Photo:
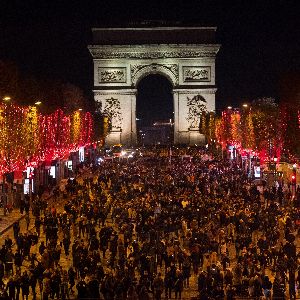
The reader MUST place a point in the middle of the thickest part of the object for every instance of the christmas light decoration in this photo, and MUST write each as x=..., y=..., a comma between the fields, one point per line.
x=260, y=129
x=248, y=137
x=235, y=127
x=28, y=137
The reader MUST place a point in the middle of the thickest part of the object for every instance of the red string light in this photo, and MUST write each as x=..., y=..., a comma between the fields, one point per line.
x=28, y=137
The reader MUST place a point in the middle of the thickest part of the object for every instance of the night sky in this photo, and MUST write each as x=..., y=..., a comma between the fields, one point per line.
x=260, y=42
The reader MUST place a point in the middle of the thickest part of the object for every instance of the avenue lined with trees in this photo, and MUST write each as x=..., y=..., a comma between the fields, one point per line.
x=59, y=126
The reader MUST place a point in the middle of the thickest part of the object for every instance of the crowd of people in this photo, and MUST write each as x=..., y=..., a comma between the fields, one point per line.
x=157, y=228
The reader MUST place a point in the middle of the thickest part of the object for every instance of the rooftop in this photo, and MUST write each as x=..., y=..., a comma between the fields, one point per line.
x=153, y=35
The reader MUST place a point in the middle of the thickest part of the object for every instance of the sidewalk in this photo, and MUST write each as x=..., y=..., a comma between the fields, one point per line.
x=6, y=222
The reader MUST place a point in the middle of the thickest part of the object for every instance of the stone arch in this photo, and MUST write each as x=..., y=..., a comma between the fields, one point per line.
x=124, y=56
x=140, y=71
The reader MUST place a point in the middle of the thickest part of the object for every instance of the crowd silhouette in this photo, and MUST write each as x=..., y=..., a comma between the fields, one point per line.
x=157, y=227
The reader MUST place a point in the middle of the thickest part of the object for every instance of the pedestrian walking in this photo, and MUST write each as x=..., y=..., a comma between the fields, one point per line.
x=27, y=219
x=158, y=286
x=25, y=283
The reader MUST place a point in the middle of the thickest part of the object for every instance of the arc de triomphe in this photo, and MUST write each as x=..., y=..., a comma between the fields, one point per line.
x=124, y=56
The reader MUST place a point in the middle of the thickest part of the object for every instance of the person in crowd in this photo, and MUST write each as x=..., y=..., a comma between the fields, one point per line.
x=131, y=228
x=158, y=286
x=25, y=284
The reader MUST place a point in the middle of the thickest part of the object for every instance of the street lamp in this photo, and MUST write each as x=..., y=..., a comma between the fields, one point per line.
x=245, y=105
x=38, y=103
x=294, y=179
x=275, y=159
x=4, y=191
x=4, y=194
x=229, y=107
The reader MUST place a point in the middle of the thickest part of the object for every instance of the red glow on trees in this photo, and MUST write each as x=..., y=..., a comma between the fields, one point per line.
x=28, y=137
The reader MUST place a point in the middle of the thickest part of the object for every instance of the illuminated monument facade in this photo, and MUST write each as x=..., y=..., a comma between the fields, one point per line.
x=124, y=56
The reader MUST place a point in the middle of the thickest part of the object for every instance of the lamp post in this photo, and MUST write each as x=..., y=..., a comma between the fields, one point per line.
x=4, y=181
x=250, y=164
x=30, y=184
x=3, y=196
x=39, y=171
x=275, y=159
x=33, y=111
x=294, y=179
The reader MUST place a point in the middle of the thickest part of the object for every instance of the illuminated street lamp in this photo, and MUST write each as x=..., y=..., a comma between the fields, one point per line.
x=245, y=105
x=229, y=107
x=38, y=103
x=294, y=179
x=6, y=98
x=80, y=109
x=275, y=159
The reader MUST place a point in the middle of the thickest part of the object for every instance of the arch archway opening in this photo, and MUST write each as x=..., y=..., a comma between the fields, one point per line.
x=155, y=111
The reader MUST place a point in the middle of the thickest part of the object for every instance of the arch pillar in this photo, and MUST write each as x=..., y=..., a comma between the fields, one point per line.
x=120, y=106
x=176, y=116
x=185, y=132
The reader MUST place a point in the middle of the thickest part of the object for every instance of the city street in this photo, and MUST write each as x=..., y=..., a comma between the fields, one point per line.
x=6, y=221
x=66, y=262
x=156, y=187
